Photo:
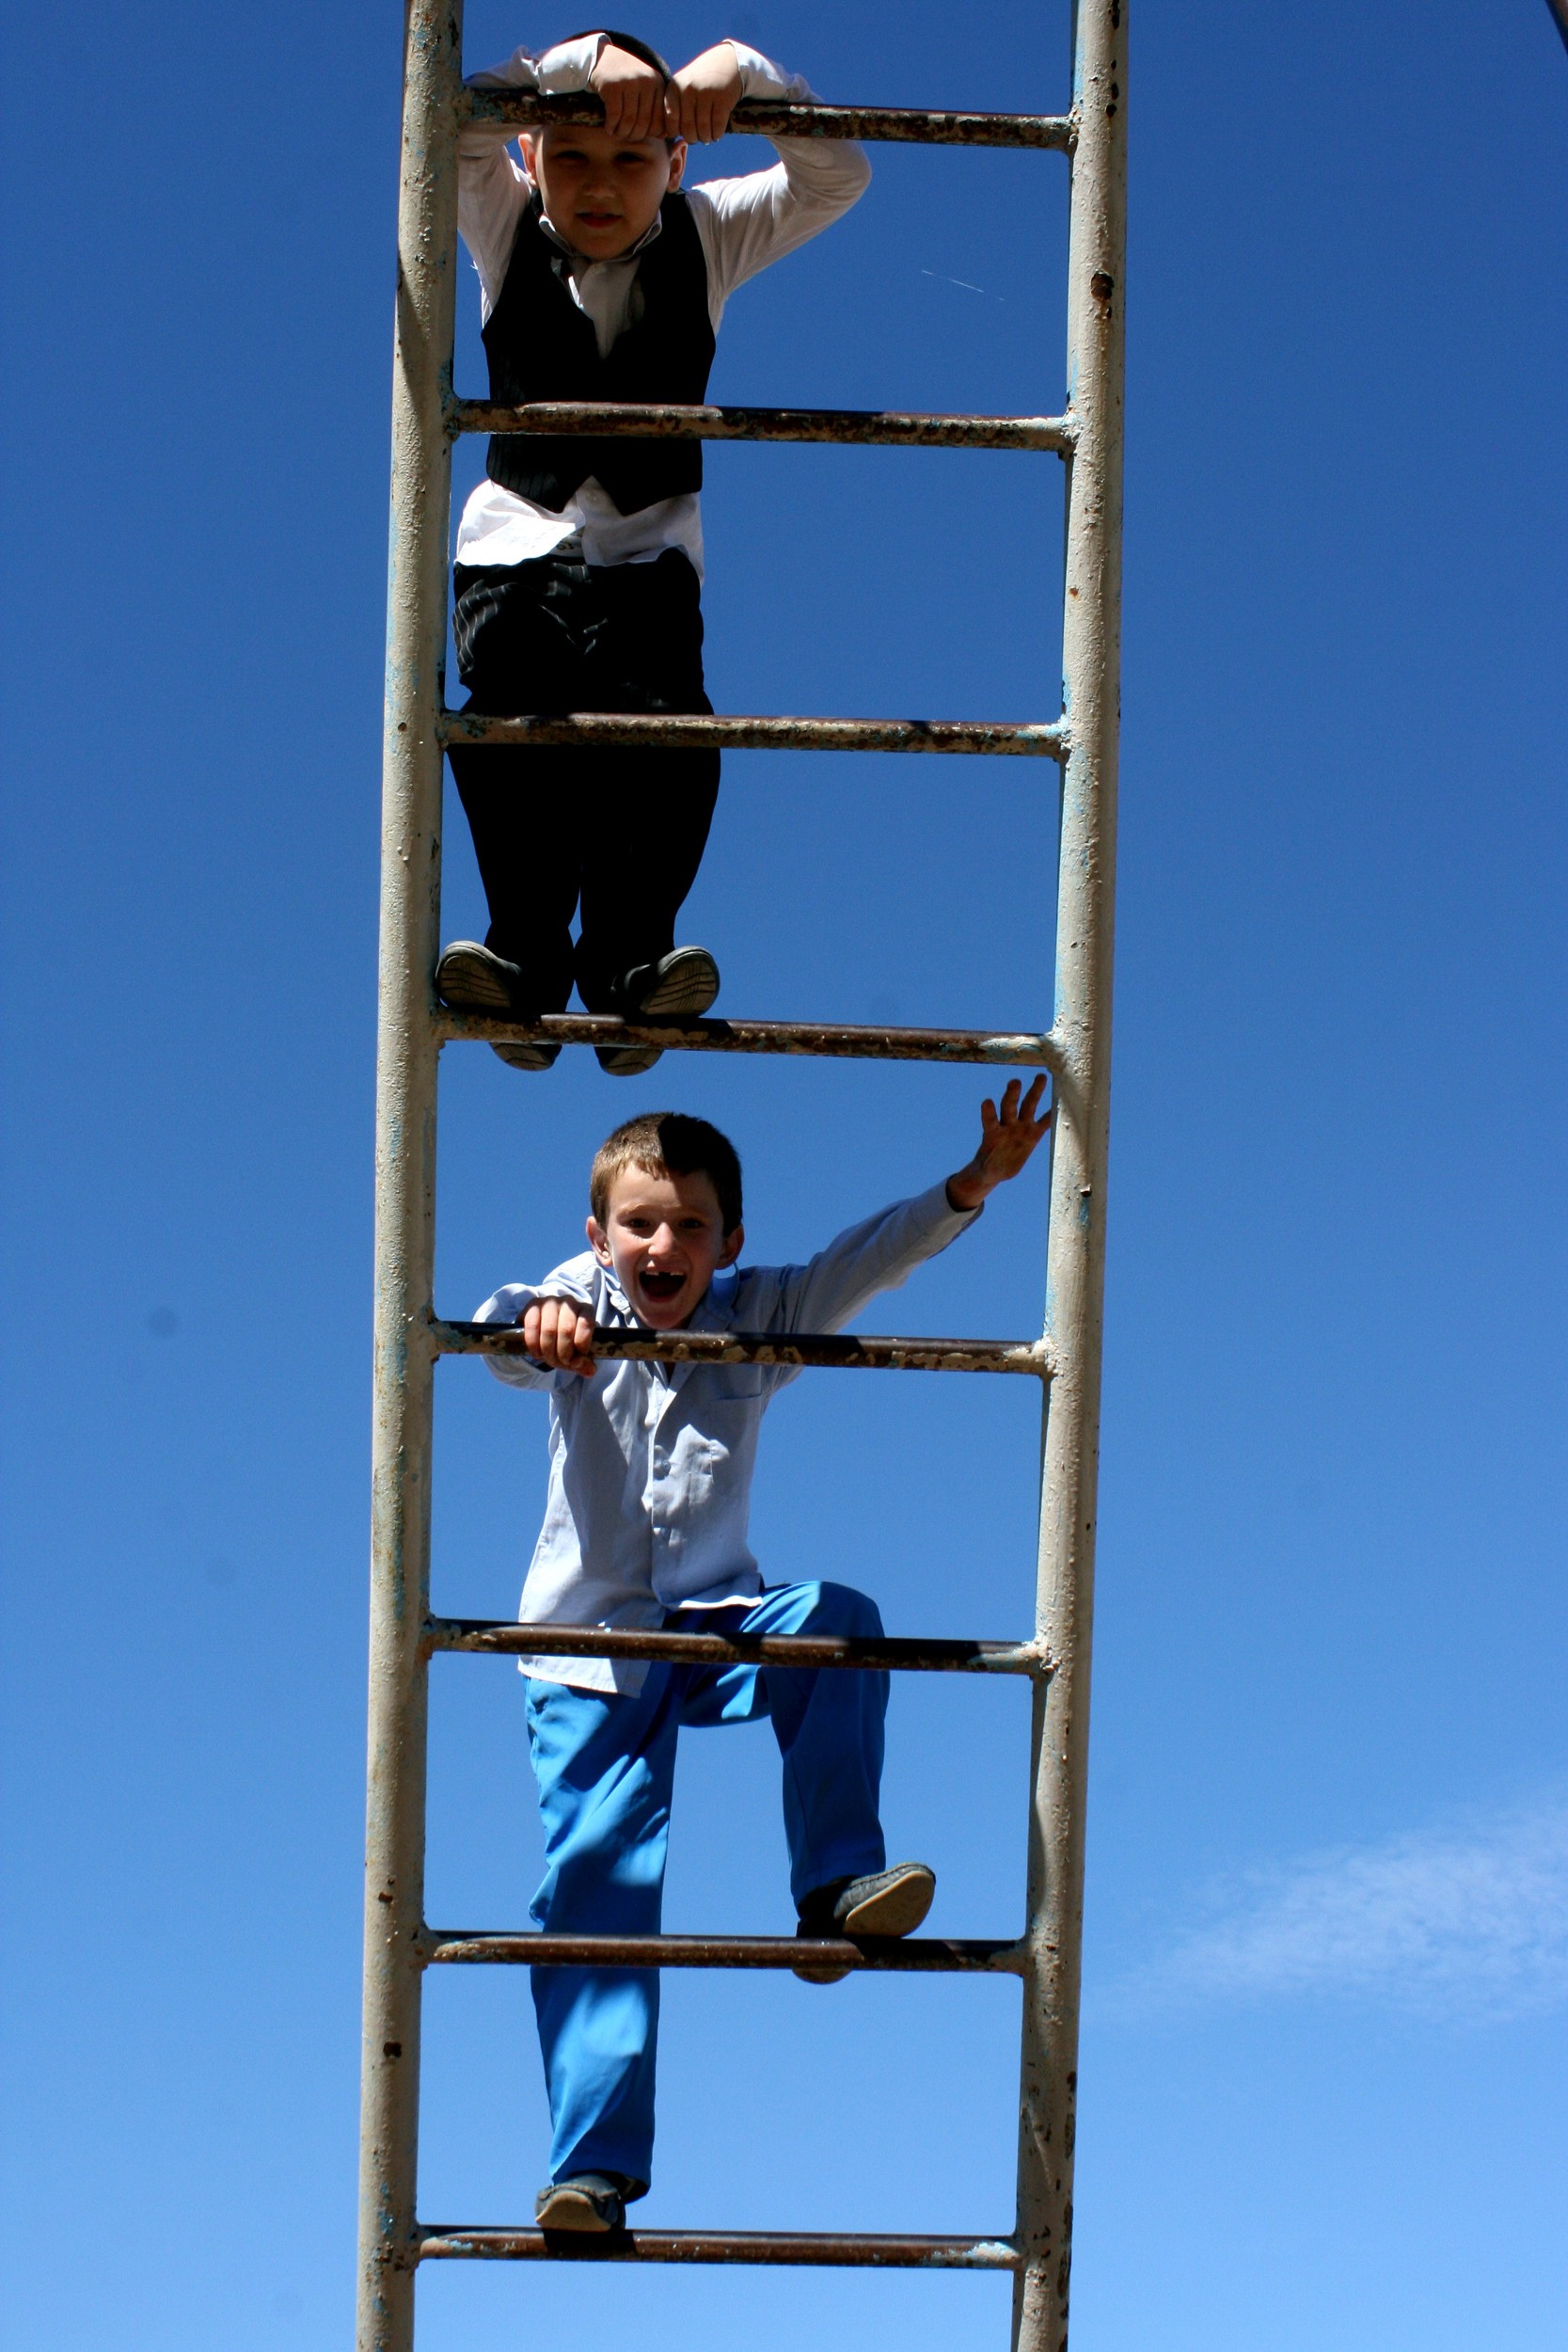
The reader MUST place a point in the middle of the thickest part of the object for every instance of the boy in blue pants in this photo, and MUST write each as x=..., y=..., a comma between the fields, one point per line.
x=645, y=1525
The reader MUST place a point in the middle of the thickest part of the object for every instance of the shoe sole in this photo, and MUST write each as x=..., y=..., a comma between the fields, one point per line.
x=896, y=1909
x=827, y=1974
x=468, y=982
x=680, y=994
x=527, y=1057
x=690, y=988
x=570, y=2209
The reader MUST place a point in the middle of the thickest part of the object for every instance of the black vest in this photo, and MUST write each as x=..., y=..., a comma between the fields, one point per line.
x=540, y=346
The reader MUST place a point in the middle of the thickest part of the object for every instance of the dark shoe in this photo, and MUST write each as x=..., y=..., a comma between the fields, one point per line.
x=818, y=1972
x=587, y=2201
x=677, y=987
x=885, y=1903
x=628, y=1061
x=524, y=1054
x=471, y=979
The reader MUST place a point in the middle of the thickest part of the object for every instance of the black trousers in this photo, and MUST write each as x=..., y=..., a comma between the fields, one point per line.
x=619, y=832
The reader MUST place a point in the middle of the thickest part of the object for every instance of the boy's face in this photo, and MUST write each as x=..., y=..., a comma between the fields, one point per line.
x=664, y=1236
x=601, y=194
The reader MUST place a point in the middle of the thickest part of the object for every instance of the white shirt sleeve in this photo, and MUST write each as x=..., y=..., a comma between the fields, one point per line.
x=492, y=186
x=878, y=1255
x=745, y=223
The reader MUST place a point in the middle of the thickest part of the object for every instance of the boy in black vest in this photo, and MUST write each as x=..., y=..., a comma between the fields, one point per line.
x=580, y=562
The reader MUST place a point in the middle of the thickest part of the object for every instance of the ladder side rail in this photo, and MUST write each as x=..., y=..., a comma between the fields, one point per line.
x=1075, y=1247
x=407, y=1051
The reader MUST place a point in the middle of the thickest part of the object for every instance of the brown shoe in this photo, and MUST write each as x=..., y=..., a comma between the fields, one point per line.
x=471, y=979
x=677, y=987
x=587, y=2201
x=883, y=1903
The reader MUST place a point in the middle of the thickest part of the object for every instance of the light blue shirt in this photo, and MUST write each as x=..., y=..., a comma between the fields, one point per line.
x=650, y=1488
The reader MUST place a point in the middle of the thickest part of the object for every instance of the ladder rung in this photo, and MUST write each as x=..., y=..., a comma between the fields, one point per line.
x=829, y=1040
x=700, y=731
x=809, y=2248
x=923, y=126
x=870, y=427
x=888, y=1653
x=838, y=1349
x=906, y=1955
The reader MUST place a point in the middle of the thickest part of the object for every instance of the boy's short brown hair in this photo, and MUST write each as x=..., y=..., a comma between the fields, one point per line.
x=633, y=47
x=668, y=1143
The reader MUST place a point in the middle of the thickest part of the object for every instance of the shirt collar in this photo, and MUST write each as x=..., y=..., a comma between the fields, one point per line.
x=717, y=1305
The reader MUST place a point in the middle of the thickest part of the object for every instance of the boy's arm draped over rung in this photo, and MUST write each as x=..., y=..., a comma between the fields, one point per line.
x=492, y=188
x=745, y=223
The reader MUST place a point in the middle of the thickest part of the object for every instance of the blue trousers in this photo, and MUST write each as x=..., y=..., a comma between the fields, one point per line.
x=606, y=1768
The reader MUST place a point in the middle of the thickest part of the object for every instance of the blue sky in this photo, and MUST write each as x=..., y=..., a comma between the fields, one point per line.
x=1327, y=1938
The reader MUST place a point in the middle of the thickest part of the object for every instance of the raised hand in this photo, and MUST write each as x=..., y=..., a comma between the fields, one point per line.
x=558, y=1334
x=1007, y=1138
x=700, y=99
x=633, y=94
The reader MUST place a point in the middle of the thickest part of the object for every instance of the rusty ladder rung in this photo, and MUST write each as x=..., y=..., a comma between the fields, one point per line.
x=906, y=125
x=883, y=1653
x=909, y=1955
x=804, y=2248
x=834, y=1350
x=820, y=1040
x=715, y=731
x=668, y=420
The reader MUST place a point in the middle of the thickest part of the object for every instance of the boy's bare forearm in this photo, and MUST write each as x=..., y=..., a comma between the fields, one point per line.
x=701, y=98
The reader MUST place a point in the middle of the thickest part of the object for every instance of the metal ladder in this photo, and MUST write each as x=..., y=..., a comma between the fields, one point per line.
x=426, y=416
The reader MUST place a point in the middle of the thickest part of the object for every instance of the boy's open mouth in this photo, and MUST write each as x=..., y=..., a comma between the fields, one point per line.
x=661, y=1287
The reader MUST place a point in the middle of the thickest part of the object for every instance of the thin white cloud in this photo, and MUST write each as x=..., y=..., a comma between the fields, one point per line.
x=1467, y=1921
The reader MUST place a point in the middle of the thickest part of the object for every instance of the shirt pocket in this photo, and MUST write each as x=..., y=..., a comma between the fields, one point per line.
x=719, y=1442
x=725, y=1385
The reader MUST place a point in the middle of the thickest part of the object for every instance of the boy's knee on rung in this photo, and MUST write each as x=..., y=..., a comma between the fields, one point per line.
x=842, y=1609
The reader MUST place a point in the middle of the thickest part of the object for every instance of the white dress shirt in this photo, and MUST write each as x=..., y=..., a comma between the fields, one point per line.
x=650, y=1486
x=743, y=225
